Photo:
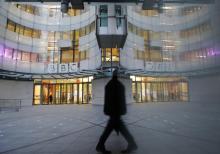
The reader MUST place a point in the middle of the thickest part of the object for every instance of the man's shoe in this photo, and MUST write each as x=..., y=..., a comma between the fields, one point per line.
x=102, y=150
x=130, y=149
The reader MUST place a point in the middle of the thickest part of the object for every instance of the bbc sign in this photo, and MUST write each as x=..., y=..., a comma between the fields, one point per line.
x=160, y=66
x=62, y=68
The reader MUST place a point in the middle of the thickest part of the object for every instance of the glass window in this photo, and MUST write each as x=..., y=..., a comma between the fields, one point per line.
x=87, y=29
x=34, y=57
x=82, y=55
x=37, y=92
x=21, y=30
x=25, y=56
x=82, y=31
x=16, y=55
x=77, y=34
x=10, y=25
x=103, y=12
x=66, y=35
x=36, y=34
x=17, y=29
x=67, y=56
x=8, y=52
x=115, y=54
x=92, y=26
x=1, y=50
x=71, y=12
x=28, y=32
x=76, y=56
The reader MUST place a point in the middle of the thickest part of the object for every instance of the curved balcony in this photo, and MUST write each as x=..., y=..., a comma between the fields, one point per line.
x=47, y=23
x=178, y=23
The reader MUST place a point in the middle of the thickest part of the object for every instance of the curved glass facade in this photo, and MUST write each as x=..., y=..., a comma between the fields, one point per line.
x=38, y=42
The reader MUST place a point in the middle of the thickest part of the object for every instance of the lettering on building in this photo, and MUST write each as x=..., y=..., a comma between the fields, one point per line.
x=62, y=68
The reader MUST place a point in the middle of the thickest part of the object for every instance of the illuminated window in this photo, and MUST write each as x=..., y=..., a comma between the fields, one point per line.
x=16, y=55
x=67, y=56
x=8, y=52
x=34, y=57
x=25, y=56
x=10, y=25
x=22, y=30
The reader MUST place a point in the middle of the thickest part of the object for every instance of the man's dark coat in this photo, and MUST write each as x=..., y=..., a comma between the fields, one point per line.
x=115, y=103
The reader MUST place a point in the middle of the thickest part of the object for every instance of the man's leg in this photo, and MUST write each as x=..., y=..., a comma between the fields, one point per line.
x=101, y=144
x=127, y=135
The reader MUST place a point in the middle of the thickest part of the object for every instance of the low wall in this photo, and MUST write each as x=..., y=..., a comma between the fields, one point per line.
x=11, y=89
x=205, y=89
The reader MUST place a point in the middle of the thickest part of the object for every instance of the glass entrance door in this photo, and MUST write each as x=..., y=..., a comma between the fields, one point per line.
x=52, y=94
x=75, y=93
x=37, y=92
x=65, y=91
x=69, y=94
x=160, y=91
x=85, y=93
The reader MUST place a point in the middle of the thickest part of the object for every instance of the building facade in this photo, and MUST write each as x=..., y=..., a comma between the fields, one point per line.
x=69, y=57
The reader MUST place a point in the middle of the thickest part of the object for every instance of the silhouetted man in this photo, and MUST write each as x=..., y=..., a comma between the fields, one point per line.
x=115, y=106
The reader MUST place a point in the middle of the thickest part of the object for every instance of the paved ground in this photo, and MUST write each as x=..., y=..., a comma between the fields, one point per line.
x=158, y=128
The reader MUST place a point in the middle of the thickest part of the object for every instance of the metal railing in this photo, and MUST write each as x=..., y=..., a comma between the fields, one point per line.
x=10, y=105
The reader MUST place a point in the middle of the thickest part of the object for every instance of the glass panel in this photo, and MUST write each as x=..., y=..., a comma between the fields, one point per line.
x=57, y=93
x=154, y=92
x=25, y=56
x=37, y=91
x=184, y=91
x=80, y=93
x=143, y=92
x=67, y=56
x=75, y=93
x=28, y=32
x=63, y=94
x=134, y=91
x=115, y=54
x=103, y=11
x=52, y=93
x=138, y=96
x=45, y=94
x=166, y=92
x=34, y=57
x=159, y=92
x=11, y=25
x=148, y=92
x=118, y=14
x=8, y=53
x=89, y=92
x=85, y=93
x=69, y=94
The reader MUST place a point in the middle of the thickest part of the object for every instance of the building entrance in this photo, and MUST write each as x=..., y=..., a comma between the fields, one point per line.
x=157, y=89
x=68, y=91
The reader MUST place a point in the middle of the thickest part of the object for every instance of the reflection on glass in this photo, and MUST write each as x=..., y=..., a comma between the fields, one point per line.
x=159, y=89
x=37, y=90
x=85, y=93
x=45, y=94
x=80, y=94
x=75, y=93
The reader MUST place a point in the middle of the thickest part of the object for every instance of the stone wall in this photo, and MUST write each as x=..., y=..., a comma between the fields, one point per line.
x=23, y=90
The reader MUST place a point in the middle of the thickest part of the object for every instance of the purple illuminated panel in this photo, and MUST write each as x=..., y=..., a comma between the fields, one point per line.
x=212, y=52
x=8, y=53
x=1, y=50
